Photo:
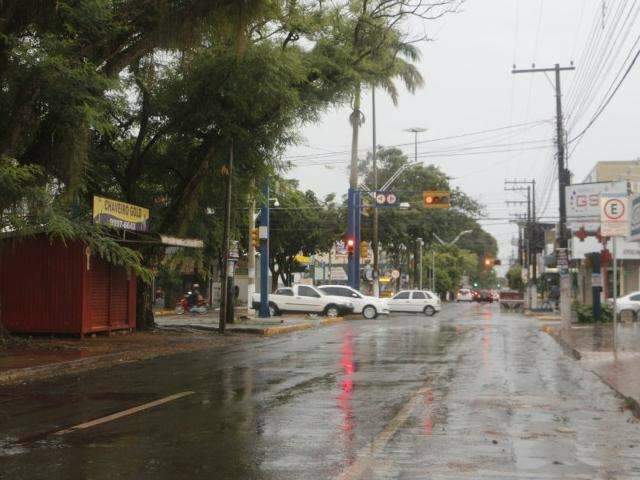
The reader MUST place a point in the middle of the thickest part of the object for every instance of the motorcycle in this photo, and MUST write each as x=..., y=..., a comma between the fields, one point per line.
x=200, y=308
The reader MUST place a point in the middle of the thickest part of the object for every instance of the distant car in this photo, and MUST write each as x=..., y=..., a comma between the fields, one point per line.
x=369, y=307
x=415, y=301
x=484, y=296
x=464, y=295
x=495, y=295
x=629, y=303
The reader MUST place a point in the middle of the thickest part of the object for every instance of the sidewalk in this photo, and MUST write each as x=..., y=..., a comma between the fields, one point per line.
x=593, y=346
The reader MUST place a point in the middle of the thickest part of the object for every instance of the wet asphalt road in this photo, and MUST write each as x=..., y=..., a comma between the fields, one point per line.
x=469, y=394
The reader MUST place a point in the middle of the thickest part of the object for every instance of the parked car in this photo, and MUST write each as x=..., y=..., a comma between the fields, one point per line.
x=305, y=299
x=464, y=295
x=369, y=307
x=628, y=303
x=415, y=301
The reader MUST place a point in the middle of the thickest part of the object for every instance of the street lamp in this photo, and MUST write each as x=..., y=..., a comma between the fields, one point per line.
x=455, y=240
x=415, y=131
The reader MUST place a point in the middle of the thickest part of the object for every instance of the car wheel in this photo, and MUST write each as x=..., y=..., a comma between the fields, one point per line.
x=273, y=310
x=369, y=312
x=429, y=311
x=331, y=311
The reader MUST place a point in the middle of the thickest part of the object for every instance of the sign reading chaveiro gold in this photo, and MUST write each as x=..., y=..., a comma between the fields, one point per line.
x=120, y=214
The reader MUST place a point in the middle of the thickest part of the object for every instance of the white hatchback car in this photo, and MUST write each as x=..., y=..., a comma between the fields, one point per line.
x=369, y=307
x=464, y=295
x=629, y=303
x=415, y=301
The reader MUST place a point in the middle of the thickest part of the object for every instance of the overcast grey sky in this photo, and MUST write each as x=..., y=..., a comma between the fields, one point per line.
x=469, y=88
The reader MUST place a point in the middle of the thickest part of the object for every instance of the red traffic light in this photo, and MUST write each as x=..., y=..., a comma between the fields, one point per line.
x=350, y=245
x=436, y=199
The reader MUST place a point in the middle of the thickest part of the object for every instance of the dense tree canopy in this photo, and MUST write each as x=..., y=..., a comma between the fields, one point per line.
x=146, y=101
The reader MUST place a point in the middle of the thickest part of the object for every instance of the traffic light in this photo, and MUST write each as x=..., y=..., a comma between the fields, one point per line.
x=364, y=249
x=350, y=245
x=436, y=199
x=255, y=237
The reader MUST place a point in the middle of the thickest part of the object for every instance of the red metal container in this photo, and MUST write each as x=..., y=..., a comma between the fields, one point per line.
x=51, y=287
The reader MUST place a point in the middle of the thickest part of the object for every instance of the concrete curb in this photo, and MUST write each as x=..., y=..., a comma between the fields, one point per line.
x=269, y=331
x=633, y=404
x=566, y=347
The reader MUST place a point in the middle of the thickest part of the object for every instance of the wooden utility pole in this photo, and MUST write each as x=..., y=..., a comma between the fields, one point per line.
x=564, y=179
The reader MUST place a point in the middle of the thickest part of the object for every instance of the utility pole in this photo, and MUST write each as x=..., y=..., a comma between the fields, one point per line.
x=563, y=181
x=531, y=226
x=374, y=240
x=227, y=171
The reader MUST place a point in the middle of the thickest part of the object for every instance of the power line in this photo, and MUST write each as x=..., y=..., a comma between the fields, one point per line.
x=433, y=140
x=608, y=99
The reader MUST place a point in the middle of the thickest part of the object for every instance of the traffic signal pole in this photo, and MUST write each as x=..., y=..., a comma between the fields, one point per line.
x=264, y=253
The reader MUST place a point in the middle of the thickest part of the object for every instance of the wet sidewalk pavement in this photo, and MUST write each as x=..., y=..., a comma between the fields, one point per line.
x=593, y=346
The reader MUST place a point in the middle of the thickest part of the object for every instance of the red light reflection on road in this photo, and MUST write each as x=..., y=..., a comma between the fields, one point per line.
x=486, y=341
x=346, y=395
x=428, y=403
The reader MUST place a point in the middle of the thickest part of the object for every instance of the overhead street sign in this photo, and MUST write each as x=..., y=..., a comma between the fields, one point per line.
x=385, y=199
x=614, y=215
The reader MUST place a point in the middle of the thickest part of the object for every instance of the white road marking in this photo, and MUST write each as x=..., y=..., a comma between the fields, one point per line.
x=124, y=413
x=365, y=457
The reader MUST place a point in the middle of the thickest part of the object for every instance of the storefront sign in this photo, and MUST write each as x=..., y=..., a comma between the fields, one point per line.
x=120, y=214
x=583, y=203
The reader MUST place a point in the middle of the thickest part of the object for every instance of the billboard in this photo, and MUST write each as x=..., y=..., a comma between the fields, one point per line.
x=120, y=214
x=583, y=203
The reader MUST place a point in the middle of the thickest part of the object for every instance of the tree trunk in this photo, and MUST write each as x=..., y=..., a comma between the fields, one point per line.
x=144, y=307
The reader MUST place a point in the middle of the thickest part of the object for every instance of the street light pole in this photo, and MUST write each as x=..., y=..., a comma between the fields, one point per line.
x=374, y=240
x=419, y=248
x=415, y=131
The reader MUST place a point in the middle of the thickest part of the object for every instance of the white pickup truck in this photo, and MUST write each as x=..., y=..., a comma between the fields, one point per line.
x=306, y=299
